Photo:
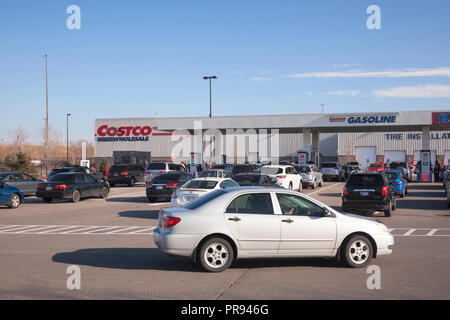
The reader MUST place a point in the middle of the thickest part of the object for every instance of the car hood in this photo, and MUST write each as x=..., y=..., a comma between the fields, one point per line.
x=356, y=216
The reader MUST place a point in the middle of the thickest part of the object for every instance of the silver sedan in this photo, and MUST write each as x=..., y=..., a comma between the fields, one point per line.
x=225, y=225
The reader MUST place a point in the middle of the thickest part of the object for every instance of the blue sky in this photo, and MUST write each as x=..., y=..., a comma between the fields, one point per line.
x=141, y=58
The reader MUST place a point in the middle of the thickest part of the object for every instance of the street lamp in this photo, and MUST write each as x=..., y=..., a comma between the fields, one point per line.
x=67, y=140
x=210, y=93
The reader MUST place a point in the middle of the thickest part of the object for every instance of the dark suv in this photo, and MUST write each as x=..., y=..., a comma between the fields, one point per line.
x=165, y=184
x=125, y=174
x=244, y=168
x=368, y=192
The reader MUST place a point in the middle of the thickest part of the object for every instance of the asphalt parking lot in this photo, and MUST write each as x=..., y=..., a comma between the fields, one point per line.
x=111, y=241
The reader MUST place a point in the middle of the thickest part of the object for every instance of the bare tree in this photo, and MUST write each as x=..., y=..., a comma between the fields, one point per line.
x=18, y=138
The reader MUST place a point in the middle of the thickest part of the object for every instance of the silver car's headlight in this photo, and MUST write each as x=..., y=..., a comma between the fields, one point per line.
x=382, y=227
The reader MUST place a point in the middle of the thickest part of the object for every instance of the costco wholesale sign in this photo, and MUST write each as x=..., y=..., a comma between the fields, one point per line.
x=107, y=133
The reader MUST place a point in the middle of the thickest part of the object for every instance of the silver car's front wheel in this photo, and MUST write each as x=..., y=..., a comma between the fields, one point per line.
x=15, y=201
x=358, y=252
x=216, y=255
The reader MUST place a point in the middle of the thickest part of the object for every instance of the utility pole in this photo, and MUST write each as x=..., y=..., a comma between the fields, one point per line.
x=67, y=140
x=46, y=107
x=323, y=108
x=210, y=93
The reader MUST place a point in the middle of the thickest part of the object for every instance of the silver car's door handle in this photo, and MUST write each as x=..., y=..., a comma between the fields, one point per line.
x=234, y=219
x=287, y=220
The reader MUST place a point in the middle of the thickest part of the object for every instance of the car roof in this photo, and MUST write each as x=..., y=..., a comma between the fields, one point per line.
x=278, y=166
x=210, y=179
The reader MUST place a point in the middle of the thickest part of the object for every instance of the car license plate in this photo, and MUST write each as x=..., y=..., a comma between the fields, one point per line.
x=116, y=174
x=158, y=187
x=190, y=198
x=364, y=193
x=48, y=188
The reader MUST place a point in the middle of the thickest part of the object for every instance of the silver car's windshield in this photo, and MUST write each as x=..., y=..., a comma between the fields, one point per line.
x=208, y=174
x=200, y=184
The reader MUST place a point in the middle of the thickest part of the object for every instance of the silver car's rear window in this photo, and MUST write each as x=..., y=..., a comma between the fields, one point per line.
x=204, y=199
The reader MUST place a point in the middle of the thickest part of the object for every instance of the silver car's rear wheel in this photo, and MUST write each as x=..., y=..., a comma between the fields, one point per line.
x=216, y=255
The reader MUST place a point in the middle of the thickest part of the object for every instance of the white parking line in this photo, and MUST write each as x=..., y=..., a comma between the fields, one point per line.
x=411, y=231
x=18, y=228
x=35, y=229
x=75, y=230
x=120, y=230
x=333, y=185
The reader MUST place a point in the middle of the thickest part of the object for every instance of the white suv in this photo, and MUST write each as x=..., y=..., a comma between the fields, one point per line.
x=287, y=176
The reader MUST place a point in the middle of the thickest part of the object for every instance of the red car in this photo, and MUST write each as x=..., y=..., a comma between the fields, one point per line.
x=374, y=167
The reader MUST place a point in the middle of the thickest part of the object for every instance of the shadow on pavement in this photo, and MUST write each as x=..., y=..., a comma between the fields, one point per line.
x=127, y=258
x=330, y=194
x=128, y=199
x=144, y=214
x=288, y=262
x=155, y=259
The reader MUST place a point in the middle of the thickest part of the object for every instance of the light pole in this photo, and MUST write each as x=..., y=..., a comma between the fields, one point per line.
x=67, y=139
x=46, y=107
x=323, y=108
x=210, y=93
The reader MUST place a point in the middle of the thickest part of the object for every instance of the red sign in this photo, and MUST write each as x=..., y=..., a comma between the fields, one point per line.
x=441, y=118
x=137, y=131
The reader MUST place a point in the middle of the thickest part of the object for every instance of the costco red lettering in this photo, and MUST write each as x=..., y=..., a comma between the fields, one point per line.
x=105, y=130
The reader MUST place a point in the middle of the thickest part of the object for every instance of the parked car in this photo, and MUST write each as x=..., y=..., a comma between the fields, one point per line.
x=407, y=169
x=374, y=167
x=24, y=182
x=227, y=167
x=214, y=173
x=125, y=174
x=244, y=168
x=197, y=188
x=311, y=175
x=398, y=182
x=10, y=196
x=445, y=175
x=354, y=164
x=347, y=170
x=368, y=192
x=156, y=168
x=72, y=186
x=165, y=184
x=255, y=179
x=331, y=171
x=226, y=225
x=81, y=169
x=448, y=193
x=287, y=176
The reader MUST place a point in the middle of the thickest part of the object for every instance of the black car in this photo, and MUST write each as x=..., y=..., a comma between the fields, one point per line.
x=72, y=186
x=165, y=184
x=24, y=182
x=255, y=179
x=80, y=169
x=368, y=192
x=125, y=174
x=244, y=168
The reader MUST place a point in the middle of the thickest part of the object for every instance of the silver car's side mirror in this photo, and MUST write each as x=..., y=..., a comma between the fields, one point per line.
x=327, y=213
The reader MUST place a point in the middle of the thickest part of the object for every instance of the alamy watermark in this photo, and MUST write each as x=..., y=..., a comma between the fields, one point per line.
x=73, y=22
x=374, y=280
x=74, y=280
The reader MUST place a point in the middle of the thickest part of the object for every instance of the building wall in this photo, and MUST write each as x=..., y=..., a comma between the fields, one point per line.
x=407, y=141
